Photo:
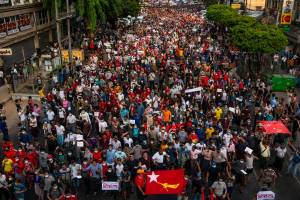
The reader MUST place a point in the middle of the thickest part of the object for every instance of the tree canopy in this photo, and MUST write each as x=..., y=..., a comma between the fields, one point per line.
x=246, y=32
x=258, y=38
x=99, y=10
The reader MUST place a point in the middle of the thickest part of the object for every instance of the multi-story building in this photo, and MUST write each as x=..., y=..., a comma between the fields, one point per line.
x=25, y=27
x=274, y=11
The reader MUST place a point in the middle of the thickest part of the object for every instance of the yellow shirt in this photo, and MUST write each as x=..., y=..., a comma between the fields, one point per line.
x=7, y=165
x=218, y=112
x=41, y=93
x=209, y=132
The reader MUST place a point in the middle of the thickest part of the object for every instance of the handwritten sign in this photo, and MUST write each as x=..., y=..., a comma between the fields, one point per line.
x=265, y=195
x=110, y=185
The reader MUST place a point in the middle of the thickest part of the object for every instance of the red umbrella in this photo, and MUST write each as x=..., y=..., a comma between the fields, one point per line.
x=274, y=127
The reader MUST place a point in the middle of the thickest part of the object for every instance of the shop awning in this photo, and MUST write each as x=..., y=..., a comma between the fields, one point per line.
x=274, y=127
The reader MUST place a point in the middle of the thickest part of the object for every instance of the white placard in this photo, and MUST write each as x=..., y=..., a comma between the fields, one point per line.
x=248, y=150
x=197, y=89
x=265, y=195
x=231, y=109
x=79, y=137
x=132, y=121
x=5, y=52
x=110, y=185
x=80, y=144
x=244, y=172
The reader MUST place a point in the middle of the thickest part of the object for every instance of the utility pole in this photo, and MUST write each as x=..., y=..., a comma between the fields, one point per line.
x=69, y=32
x=58, y=30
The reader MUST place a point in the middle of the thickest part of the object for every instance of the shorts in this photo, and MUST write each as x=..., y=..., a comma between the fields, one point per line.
x=249, y=171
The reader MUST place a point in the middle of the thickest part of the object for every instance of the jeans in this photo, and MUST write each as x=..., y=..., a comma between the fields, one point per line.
x=293, y=168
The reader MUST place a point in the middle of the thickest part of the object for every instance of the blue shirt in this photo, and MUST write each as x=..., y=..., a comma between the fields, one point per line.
x=94, y=169
x=110, y=154
x=18, y=187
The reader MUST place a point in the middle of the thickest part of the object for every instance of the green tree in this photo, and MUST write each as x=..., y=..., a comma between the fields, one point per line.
x=208, y=3
x=258, y=38
x=259, y=41
x=131, y=7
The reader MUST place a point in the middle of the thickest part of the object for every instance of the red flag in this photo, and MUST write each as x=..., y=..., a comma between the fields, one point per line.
x=165, y=182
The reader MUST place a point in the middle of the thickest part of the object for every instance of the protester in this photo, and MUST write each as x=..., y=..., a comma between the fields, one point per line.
x=152, y=96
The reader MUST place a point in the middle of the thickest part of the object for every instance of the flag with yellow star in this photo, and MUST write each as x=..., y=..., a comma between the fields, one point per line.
x=165, y=182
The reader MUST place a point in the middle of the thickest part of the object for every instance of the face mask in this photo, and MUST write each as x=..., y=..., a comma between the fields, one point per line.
x=109, y=170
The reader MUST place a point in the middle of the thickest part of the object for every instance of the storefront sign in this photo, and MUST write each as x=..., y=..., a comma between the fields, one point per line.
x=12, y=28
x=287, y=10
x=76, y=53
x=5, y=52
x=24, y=22
x=110, y=185
x=236, y=6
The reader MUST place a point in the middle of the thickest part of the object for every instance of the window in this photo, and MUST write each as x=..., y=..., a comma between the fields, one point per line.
x=42, y=17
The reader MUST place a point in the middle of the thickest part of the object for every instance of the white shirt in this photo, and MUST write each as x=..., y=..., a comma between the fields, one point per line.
x=74, y=170
x=128, y=141
x=158, y=158
x=115, y=144
x=119, y=169
x=280, y=153
x=61, y=113
x=227, y=137
x=102, y=125
x=71, y=119
x=60, y=130
x=50, y=115
x=249, y=162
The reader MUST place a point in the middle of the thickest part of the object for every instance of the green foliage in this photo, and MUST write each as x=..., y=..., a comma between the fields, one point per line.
x=131, y=7
x=245, y=32
x=99, y=10
x=208, y=3
x=220, y=12
x=258, y=38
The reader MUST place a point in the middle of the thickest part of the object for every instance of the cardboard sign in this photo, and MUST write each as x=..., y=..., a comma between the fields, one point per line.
x=265, y=195
x=110, y=185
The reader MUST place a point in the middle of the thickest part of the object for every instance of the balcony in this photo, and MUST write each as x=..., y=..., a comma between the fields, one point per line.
x=15, y=4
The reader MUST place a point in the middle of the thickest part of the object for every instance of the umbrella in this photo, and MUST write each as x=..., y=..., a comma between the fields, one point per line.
x=274, y=127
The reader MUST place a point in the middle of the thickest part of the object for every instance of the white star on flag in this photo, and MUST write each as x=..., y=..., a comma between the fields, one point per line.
x=153, y=177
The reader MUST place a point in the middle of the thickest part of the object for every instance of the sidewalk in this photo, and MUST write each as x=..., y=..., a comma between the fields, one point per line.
x=5, y=94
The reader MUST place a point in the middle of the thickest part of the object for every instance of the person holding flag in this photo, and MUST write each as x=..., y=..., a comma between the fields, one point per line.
x=139, y=182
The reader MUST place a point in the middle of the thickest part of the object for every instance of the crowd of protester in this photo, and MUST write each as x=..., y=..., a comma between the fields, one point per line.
x=153, y=96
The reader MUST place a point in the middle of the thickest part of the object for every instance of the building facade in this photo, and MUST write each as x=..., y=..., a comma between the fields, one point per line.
x=25, y=28
x=274, y=13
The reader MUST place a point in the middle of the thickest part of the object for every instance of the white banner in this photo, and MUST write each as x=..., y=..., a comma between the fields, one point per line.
x=197, y=89
x=110, y=185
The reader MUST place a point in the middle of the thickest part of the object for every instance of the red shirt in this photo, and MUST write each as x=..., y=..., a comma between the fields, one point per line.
x=139, y=180
x=97, y=156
